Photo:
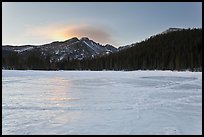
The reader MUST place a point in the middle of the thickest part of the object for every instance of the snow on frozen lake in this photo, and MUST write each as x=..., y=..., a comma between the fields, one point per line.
x=101, y=102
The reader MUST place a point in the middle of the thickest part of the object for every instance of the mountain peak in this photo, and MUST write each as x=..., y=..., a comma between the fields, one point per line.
x=75, y=38
x=84, y=38
x=72, y=39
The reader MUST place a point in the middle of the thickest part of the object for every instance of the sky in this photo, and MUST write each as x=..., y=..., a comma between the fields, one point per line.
x=115, y=23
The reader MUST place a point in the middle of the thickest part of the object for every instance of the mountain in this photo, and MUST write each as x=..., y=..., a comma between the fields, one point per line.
x=126, y=47
x=174, y=49
x=172, y=30
x=164, y=32
x=72, y=48
x=177, y=49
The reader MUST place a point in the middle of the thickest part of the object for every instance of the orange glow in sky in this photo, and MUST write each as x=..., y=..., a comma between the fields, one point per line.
x=61, y=32
x=61, y=36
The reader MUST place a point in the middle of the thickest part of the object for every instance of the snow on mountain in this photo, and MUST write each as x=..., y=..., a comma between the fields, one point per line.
x=125, y=47
x=171, y=30
x=18, y=48
x=110, y=48
x=93, y=45
x=24, y=49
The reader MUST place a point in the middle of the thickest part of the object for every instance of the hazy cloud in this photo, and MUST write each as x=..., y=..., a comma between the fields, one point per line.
x=98, y=33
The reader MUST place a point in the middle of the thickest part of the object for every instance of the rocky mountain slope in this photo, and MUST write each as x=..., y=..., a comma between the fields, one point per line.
x=73, y=48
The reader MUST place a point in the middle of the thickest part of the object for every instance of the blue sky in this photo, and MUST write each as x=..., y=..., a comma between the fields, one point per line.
x=116, y=23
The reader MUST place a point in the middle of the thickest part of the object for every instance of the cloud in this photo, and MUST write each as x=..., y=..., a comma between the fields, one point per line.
x=97, y=33
x=60, y=32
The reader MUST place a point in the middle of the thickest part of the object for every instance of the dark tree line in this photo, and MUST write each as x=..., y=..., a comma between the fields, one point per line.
x=179, y=50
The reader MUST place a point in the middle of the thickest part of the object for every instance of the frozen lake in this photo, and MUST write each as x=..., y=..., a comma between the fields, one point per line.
x=103, y=102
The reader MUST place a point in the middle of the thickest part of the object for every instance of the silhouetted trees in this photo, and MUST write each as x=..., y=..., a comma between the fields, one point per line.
x=179, y=50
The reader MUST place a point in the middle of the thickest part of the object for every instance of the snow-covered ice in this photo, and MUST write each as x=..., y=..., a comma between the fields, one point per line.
x=101, y=102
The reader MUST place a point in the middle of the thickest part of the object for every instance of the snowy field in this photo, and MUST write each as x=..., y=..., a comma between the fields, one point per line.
x=103, y=102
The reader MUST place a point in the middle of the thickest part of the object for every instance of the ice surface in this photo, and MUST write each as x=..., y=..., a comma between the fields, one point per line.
x=101, y=102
